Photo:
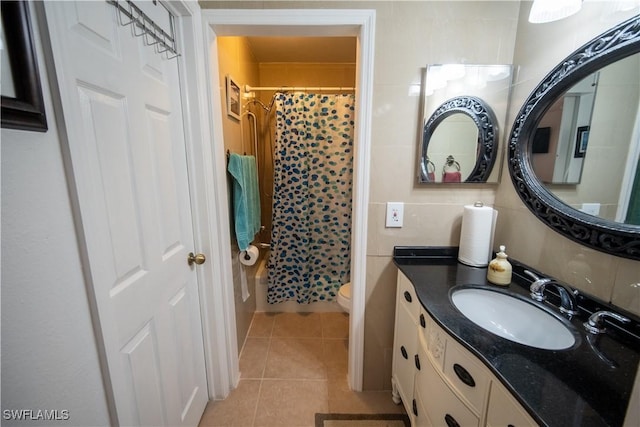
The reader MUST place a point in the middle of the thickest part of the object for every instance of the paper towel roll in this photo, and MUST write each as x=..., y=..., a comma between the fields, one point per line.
x=249, y=256
x=476, y=236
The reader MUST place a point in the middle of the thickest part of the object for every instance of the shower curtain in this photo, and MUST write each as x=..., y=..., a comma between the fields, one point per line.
x=313, y=174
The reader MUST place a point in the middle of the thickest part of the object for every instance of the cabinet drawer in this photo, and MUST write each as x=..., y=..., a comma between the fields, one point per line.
x=406, y=297
x=441, y=404
x=504, y=410
x=466, y=375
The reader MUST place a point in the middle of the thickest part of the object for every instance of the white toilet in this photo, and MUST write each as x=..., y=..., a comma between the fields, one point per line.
x=344, y=297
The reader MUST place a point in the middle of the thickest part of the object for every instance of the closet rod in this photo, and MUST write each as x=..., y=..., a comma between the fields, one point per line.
x=248, y=88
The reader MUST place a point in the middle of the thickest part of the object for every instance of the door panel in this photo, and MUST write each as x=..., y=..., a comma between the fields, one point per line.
x=106, y=124
x=123, y=117
x=145, y=375
x=92, y=24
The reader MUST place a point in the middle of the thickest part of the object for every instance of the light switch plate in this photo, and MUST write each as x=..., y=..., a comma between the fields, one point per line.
x=395, y=213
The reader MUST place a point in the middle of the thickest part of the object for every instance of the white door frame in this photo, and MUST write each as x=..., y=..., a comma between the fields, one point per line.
x=298, y=22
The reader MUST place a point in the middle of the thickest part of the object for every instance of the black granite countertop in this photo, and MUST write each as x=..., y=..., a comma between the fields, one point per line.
x=588, y=384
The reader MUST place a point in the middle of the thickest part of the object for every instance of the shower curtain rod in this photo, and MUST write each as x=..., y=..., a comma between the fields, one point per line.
x=248, y=88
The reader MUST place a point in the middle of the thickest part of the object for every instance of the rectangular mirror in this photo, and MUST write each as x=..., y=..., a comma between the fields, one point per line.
x=464, y=113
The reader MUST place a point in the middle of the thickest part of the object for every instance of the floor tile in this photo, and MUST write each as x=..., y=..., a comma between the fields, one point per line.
x=292, y=366
x=254, y=357
x=298, y=325
x=262, y=325
x=299, y=358
x=237, y=410
x=335, y=325
x=336, y=357
x=290, y=403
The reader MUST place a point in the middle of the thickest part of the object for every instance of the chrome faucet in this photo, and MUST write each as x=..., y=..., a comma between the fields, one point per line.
x=568, y=303
x=595, y=324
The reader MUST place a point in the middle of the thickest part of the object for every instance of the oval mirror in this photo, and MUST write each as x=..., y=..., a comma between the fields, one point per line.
x=462, y=137
x=574, y=149
x=464, y=106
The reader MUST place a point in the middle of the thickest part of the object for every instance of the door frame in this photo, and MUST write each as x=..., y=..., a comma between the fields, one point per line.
x=359, y=23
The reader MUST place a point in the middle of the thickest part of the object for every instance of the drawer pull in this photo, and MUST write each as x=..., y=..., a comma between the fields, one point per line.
x=407, y=296
x=417, y=360
x=423, y=322
x=404, y=352
x=464, y=375
x=415, y=408
x=451, y=422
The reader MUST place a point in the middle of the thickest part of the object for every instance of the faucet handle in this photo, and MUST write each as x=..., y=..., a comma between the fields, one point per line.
x=595, y=324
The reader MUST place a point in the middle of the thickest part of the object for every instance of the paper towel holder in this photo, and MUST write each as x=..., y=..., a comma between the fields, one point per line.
x=478, y=204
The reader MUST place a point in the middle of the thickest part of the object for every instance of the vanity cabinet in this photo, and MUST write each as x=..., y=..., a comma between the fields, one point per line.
x=440, y=382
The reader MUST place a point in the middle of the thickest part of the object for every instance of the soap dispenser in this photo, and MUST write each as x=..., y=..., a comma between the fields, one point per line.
x=499, y=271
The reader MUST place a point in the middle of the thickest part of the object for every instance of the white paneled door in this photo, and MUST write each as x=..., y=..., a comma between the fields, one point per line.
x=123, y=115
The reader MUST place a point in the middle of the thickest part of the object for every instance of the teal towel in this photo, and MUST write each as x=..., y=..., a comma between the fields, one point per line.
x=246, y=198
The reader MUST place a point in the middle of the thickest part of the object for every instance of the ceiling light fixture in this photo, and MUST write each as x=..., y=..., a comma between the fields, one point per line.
x=552, y=10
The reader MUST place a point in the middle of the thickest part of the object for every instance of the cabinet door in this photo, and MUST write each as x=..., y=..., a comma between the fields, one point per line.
x=404, y=353
x=504, y=410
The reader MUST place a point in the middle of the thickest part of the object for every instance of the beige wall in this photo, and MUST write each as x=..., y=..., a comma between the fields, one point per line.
x=410, y=35
x=538, y=49
x=236, y=60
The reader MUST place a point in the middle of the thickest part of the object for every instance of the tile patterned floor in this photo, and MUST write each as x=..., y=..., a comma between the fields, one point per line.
x=294, y=365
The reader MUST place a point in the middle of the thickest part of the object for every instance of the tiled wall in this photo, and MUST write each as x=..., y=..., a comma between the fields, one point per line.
x=538, y=49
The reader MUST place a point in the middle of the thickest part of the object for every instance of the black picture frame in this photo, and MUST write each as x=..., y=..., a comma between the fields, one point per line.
x=233, y=98
x=26, y=110
x=582, y=139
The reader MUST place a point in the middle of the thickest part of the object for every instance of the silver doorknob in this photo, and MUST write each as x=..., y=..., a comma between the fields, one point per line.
x=198, y=259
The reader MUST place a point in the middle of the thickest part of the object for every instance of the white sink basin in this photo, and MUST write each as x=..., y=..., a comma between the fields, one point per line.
x=512, y=318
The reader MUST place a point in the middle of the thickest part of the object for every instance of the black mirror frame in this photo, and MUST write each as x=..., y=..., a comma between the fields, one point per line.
x=613, y=238
x=25, y=111
x=485, y=121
